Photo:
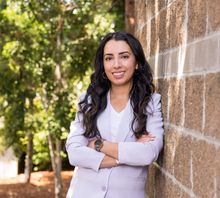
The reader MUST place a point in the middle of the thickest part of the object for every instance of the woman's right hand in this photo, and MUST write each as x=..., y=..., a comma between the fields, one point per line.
x=146, y=138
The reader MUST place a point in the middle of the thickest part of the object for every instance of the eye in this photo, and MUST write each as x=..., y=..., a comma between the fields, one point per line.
x=108, y=58
x=125, y=57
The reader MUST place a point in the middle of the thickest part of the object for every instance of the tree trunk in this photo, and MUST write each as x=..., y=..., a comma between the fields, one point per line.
x=28, y=159
x=55, y=143
x=56, y=164
x=58, y=78
x=57, y=172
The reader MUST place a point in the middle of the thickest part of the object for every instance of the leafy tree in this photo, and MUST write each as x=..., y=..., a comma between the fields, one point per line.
x=46, y=50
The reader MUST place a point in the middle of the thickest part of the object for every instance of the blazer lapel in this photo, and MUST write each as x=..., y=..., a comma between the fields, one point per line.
x=103, y=122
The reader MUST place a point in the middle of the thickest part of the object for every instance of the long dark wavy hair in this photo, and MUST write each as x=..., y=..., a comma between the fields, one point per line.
x=95, y=100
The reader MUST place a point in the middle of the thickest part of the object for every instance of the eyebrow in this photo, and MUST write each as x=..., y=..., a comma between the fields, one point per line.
x=120, y=53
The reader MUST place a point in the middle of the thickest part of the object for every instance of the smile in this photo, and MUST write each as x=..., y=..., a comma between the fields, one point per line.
x=118, y=74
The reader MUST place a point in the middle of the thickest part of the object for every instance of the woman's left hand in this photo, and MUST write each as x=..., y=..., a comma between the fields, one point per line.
x=146, y=138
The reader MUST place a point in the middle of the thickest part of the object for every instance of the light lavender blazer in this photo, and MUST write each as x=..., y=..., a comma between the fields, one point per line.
x=124, y=181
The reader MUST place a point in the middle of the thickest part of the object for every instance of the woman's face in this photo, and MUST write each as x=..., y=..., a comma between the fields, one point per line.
x=119, y=63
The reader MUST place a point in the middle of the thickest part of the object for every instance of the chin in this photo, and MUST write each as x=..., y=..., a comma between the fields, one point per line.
x=124, y=83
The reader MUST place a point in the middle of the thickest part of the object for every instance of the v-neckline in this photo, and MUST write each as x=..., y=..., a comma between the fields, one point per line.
x=118, y=112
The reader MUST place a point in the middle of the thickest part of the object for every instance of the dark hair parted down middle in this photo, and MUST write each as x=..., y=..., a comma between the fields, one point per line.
x=95, y=100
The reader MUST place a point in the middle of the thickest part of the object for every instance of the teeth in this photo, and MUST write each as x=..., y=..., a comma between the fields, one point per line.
x=118, y=73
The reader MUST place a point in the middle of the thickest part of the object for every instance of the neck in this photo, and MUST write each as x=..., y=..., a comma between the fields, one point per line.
x=120, y=91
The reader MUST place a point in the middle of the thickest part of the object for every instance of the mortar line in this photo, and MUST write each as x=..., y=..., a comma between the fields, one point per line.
x=197, y=73
x=155, y=15
x=175, y=181
x=194, y=134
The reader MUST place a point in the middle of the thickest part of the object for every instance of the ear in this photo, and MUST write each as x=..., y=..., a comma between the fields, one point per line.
x=136, y=67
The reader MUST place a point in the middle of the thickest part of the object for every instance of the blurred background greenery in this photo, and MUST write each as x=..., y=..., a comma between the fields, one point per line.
x=46, y=57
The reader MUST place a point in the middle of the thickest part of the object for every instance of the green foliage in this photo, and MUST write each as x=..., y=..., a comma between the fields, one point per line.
x=41, y=157
x=36, y=37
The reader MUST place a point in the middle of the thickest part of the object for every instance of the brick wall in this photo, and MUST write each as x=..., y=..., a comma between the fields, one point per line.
x=181, y=39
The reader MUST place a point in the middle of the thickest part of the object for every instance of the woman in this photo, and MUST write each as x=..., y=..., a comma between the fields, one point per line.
x=118, y=130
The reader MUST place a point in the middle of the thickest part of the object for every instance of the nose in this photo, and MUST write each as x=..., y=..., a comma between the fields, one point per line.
x=117, y=63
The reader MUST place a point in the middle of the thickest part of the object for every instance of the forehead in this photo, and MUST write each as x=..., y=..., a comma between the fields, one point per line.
x=114, y=46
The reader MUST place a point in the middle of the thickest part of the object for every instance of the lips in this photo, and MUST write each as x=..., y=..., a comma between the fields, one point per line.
x=118, y=74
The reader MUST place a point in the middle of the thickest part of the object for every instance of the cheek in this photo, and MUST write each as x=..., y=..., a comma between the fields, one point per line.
x=108, y=65
x=106, y=69
x=132, y=67
x=131, y=72
x=105, y=66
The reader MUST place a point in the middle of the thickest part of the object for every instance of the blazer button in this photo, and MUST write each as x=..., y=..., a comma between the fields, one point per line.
x=103, y=188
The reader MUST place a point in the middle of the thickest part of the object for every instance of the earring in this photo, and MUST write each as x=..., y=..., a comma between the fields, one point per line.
x=104, y=75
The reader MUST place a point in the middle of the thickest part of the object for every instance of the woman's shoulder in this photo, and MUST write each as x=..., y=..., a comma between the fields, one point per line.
x=82, y=96
x=154, y=102
x=155, y=96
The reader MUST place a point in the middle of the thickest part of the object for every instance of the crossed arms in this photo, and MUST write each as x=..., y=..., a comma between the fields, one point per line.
x=142, y=152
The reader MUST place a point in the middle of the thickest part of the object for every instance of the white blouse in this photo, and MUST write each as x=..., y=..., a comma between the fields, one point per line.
x=115, y=119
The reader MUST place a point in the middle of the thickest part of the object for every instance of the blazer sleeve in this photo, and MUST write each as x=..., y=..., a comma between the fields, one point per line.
x=76, y=146
x=141, y=154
